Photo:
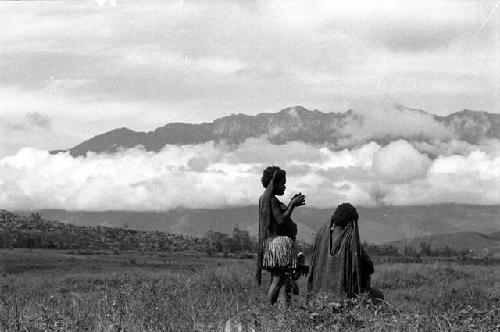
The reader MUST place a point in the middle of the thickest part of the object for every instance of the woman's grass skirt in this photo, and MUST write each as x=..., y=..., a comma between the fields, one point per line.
x=279, y=253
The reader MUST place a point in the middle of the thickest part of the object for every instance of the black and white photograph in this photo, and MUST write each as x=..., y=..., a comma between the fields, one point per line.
x=249, y=165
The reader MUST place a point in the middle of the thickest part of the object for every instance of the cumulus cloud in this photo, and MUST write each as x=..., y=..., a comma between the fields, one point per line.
x=400, y=162
x=436, y=147
x=393, y=122
x=215, y=175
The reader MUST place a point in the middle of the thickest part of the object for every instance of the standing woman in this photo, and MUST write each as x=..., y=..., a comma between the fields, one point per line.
x=277, y=232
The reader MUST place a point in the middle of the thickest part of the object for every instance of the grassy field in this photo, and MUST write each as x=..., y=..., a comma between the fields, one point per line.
x=47, y=290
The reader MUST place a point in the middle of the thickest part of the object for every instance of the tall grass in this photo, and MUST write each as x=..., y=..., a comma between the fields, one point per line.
x=419, y=298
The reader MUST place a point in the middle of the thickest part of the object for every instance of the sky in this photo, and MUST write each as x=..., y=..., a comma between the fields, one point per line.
x=70, y=70
x=87, y=67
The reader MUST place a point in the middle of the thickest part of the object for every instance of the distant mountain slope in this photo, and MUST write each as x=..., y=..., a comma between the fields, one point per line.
x=339, y=130
x=35, y=232
x=495, y=235
x=377, y=224
x=474, y=241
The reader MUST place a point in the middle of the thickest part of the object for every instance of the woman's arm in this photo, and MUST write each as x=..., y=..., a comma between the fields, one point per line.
x=282, y=217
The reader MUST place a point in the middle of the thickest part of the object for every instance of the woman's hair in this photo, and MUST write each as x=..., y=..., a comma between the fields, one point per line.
x=344, y=214
x=268, y=173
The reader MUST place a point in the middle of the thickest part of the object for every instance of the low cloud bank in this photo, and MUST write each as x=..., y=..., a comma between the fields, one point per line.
x=387, y=122
x=213, y=175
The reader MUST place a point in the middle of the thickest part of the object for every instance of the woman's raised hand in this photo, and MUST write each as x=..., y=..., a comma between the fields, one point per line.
x=298, y=200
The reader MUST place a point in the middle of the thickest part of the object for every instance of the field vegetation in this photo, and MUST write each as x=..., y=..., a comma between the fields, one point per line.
x=64, y=290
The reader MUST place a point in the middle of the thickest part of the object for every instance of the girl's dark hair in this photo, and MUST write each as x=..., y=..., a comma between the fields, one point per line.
x=268, y=173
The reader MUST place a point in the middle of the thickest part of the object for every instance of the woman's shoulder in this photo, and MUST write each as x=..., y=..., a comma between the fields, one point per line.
x=278, y=203
x=275, y=202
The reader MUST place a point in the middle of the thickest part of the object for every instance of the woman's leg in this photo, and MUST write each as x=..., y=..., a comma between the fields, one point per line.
x=277, y=280
x=286, y=292
x=294, y=288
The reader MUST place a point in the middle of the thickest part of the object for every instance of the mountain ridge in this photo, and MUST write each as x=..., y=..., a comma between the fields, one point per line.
x=293, y=124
